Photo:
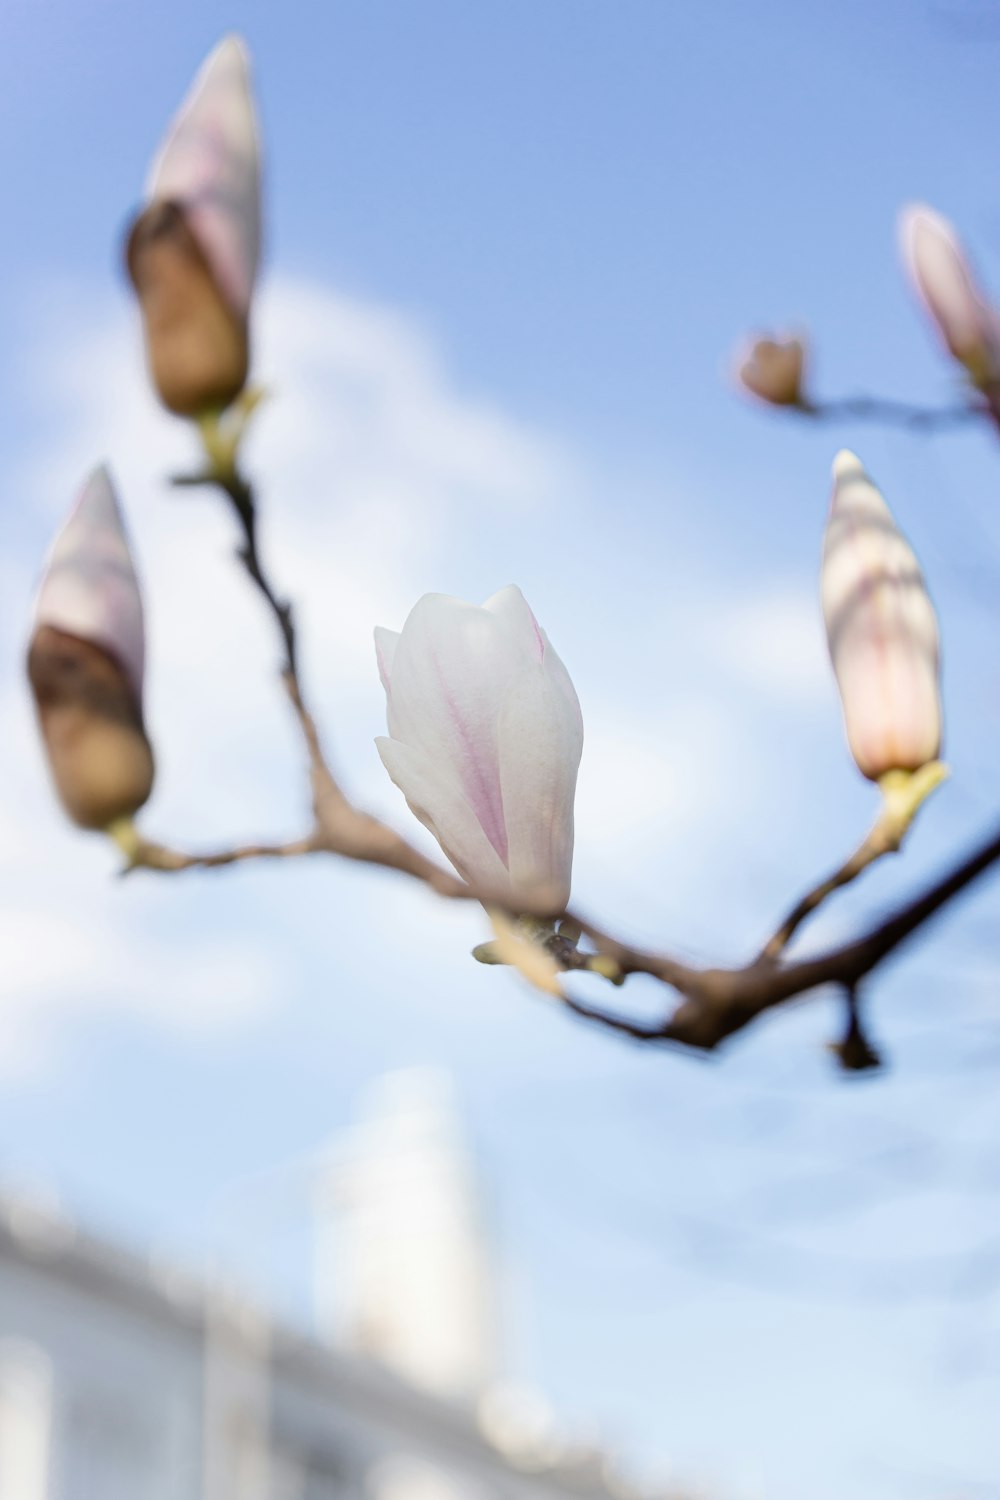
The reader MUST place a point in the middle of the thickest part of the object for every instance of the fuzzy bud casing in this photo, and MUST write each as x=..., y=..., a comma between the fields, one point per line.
x=85, y=664
x=192, y=253
x=772, y=370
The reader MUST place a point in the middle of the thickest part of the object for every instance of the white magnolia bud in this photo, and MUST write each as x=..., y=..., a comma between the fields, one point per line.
x=881, y=629
x=485, y=737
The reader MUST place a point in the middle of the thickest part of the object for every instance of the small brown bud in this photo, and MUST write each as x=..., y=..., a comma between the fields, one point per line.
x=772, y=371
x=100, y=759
x=196, y=344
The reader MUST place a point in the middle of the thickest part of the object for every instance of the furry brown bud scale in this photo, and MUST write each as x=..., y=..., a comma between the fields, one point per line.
x=100, y=759
x=193, y=251
x=196, y=345
x=86, y=663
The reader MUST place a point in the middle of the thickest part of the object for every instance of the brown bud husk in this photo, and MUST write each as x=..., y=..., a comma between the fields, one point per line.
x=197, y=347
x=100, y=759
x=773, y=370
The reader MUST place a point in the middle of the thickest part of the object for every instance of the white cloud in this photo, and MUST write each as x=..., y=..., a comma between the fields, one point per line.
x=374, y=470
x=364, y=456
x=643, y=783
x=773, y=639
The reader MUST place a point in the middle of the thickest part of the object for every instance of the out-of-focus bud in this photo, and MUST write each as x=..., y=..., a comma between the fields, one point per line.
x=942, y=274
x=85, y=664
x=881, y=629
x=772, y=370
x=192, y=253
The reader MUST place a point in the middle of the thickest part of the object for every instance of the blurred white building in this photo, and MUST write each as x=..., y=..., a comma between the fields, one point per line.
x=404, y=1263
x=122, y=1381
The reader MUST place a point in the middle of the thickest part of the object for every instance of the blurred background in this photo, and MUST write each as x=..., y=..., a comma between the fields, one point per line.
x=510, y=249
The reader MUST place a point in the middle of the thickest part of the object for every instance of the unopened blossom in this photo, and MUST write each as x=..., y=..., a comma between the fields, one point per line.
x=881, y=629
x=85, y=664
x=944, y=279
x=193, y=251
x=772, y=370
x=485, y=737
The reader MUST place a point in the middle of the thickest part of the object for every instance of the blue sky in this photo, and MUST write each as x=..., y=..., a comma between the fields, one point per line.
x=510, y=249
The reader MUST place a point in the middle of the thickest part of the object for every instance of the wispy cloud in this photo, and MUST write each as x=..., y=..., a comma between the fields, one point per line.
x=364, y=456
x=377, y=473
x=772, y=639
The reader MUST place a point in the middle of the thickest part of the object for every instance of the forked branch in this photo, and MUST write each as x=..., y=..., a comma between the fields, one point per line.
x=714, y=1003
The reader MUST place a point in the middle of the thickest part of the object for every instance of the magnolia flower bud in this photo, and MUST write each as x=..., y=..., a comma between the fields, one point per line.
x=943, y=277
x=881, y=630
x=192, y=253
x=85, y=664
x=772, y=370
x=485, y=737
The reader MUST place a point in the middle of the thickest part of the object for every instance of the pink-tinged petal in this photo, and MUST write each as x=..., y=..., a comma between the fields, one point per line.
x=944, y=279
x=451, y=668
x=433, y=797
x=881, y=629
x=210, y=165
x=386, y=642
x=486, y=735
x=89, y=587
x=510, y=609
x=541, y=740
x=562, y=682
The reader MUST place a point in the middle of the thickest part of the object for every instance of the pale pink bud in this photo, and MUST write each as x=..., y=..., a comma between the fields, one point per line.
x=881, y=629
x=89, y=588
x=85, y=664
x=209, y=164
x=944, y=279
x=772, y=370
x=485, y=737
x=192, y=253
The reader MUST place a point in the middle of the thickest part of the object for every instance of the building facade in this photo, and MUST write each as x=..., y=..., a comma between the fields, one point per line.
x=121, y=1381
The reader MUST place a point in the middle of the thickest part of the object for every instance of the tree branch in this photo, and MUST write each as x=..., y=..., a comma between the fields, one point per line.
x=717, y=1003
x=340, y=827
x=714, y=1003
x=895, y=413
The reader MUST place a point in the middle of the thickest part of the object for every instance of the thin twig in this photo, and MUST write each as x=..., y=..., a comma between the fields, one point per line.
x=719, y=1002
x=341, y=828
x=240, y=494
x=895, y=413
x=151, y=856
x=884, y=838
x=713, y=1003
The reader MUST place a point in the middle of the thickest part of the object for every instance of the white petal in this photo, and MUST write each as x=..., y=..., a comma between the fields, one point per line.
x=486, y=726
x=510, y=608
x=385, y=650
x=89, y=588
x=210, y=164
x=560, y=679
x=432, y=797
x=541, y=739
x=944, y=278
x=450, y=673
